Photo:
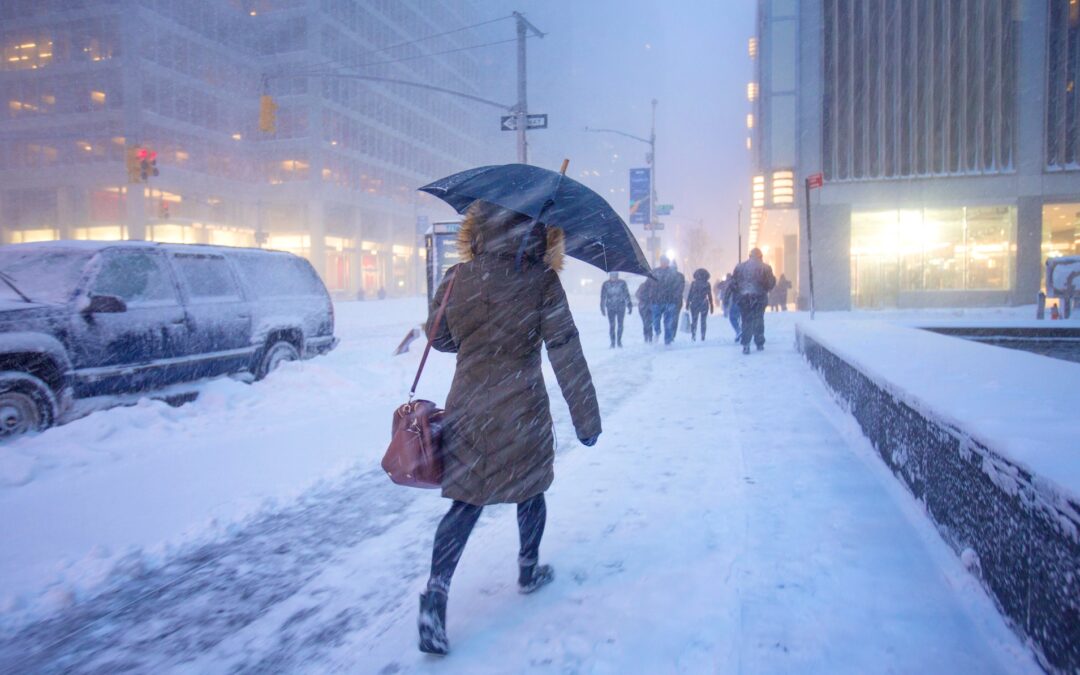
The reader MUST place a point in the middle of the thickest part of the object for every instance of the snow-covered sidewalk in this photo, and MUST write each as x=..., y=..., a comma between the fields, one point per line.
x=731, y=519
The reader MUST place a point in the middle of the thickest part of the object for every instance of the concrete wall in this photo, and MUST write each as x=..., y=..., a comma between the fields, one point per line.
x=1022, y=544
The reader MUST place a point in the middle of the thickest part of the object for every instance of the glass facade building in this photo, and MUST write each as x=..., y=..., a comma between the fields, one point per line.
x=82, y=82
x=946, y=132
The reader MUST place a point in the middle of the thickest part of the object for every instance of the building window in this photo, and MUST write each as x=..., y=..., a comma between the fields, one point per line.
x=918, y=89
x=783, y=188
x=1060, y=230
x=930, y=249
x=27, y=54
x=1063, y=99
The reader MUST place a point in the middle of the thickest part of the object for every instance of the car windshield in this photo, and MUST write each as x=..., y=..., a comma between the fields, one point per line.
x=43, y=275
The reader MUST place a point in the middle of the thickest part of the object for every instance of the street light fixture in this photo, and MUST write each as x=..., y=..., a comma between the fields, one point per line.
x=650, y=159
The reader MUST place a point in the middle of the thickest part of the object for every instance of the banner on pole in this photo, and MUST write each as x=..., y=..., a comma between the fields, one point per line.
x=815, y=180
x=640, y=196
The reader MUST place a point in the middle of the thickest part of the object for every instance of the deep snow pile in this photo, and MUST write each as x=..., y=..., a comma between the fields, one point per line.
x=730, y=518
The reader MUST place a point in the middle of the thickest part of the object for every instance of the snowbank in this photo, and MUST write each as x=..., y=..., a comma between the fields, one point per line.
x=986, y=438
x=126, y=488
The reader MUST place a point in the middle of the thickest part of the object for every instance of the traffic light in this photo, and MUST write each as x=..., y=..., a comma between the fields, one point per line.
x=267, y=114
x=131, y=161
x=163, y=210
x=147, y=163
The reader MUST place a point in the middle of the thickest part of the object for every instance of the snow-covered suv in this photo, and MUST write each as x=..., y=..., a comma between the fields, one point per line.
x=96, y=319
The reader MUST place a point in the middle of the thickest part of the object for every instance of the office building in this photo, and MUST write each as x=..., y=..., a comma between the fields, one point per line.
x=948, y=137
x=85, y=83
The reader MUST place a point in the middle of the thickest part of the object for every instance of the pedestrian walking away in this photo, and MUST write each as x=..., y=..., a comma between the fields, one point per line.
x=615, y=303
x=645, y=294
x=783, y=285
x=667, y=302
x=753, y=280
x=699, y=301
x=498, y=446
x=731, y=307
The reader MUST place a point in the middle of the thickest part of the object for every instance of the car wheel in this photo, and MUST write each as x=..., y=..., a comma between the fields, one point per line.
x=275, y=355
x=26, y=405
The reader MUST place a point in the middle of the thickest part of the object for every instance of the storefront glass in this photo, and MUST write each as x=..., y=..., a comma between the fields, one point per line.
x=927, y=250
x=1061, y=230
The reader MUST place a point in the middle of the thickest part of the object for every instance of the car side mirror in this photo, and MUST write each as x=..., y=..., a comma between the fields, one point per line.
x=105, y=304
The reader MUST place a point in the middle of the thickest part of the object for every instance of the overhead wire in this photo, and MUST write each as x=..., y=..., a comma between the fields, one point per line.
x=413, y=42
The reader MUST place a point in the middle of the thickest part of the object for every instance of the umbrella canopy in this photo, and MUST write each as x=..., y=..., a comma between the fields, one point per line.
x=594, y=233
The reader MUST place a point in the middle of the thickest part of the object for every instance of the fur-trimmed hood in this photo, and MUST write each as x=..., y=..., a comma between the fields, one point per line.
x=488, y=228
x=701, y=274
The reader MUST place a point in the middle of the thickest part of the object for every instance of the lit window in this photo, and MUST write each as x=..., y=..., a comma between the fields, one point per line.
x=783, y=188
x=758, y=191
x=98, y=97
x=750, y=121
x=27, y=55
x=753, y=47
x=751, y=91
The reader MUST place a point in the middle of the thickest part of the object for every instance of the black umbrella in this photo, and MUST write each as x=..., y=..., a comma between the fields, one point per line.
x=594, y=232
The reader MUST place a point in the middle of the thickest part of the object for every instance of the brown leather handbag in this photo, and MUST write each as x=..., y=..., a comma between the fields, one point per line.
x=414, y=456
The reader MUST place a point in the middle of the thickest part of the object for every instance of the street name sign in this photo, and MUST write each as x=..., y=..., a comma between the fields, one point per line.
x=664, y=209
x=509, y=122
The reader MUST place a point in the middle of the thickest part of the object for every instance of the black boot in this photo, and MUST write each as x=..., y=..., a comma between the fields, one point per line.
x=432, y=623
x=746, y=349
x=532, y=577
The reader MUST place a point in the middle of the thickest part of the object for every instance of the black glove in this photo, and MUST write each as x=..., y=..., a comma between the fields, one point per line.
x=590, y=441
x=630, y=310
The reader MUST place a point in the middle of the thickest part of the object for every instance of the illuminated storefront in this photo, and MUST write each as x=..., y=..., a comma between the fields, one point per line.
x=930, y=250
x=1061, y=230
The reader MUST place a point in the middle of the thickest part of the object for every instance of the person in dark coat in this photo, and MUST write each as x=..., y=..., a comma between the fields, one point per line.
x=731, y=308
x=644, y=294
x=667, y=302
x=498, y=444
x=753, y=281
x=781, y=290
x=699, y=301
x=615, y=303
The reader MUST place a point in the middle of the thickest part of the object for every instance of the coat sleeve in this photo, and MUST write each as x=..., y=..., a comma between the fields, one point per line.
x=442, y=339
x=567, y=360
x=770, y=279
x=603, y=297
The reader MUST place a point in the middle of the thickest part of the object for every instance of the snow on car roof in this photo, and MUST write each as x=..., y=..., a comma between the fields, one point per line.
x=88, y=245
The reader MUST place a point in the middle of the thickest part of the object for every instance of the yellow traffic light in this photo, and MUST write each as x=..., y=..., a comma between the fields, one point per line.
x=131, y=161
x=267, y=114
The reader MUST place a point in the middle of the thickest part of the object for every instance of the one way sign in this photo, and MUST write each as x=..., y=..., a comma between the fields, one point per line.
x=509, y=122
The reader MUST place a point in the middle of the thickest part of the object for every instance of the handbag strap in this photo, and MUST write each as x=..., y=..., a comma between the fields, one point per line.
x=432, y=331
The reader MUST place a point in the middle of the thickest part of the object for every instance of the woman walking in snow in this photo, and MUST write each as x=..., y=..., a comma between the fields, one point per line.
x=498, y=442
x=700, y=301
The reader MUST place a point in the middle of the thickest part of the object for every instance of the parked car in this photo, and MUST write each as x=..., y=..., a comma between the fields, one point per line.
x=88, y=319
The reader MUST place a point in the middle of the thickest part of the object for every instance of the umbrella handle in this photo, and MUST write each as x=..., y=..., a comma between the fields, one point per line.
x=565, y=163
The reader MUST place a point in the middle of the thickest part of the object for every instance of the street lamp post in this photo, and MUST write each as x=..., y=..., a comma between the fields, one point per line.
x=650, y=159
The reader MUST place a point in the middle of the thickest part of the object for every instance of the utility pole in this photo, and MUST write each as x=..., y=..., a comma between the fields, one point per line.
x=654, y=240
x=738, y=226
x=522, y=112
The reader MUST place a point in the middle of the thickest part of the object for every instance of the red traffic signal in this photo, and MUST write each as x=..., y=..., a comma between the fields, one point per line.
x=147, y=163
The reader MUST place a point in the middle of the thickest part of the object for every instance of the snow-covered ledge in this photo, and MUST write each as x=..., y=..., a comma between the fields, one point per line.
x=988, y=439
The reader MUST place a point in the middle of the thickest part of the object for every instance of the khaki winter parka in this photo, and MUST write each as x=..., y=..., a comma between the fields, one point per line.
x=498, y=440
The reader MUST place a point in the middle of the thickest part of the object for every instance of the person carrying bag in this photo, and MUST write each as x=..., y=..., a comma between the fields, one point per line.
x=498, y=441
x=414, y=457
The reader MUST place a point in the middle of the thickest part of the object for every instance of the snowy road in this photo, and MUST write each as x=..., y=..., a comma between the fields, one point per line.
x=729, y=520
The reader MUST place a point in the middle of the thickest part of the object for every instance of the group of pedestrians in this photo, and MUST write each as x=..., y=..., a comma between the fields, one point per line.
x=744, y=294
x=660, y=301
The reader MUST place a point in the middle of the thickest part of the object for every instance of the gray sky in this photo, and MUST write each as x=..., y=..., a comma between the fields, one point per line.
x=601, y=64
